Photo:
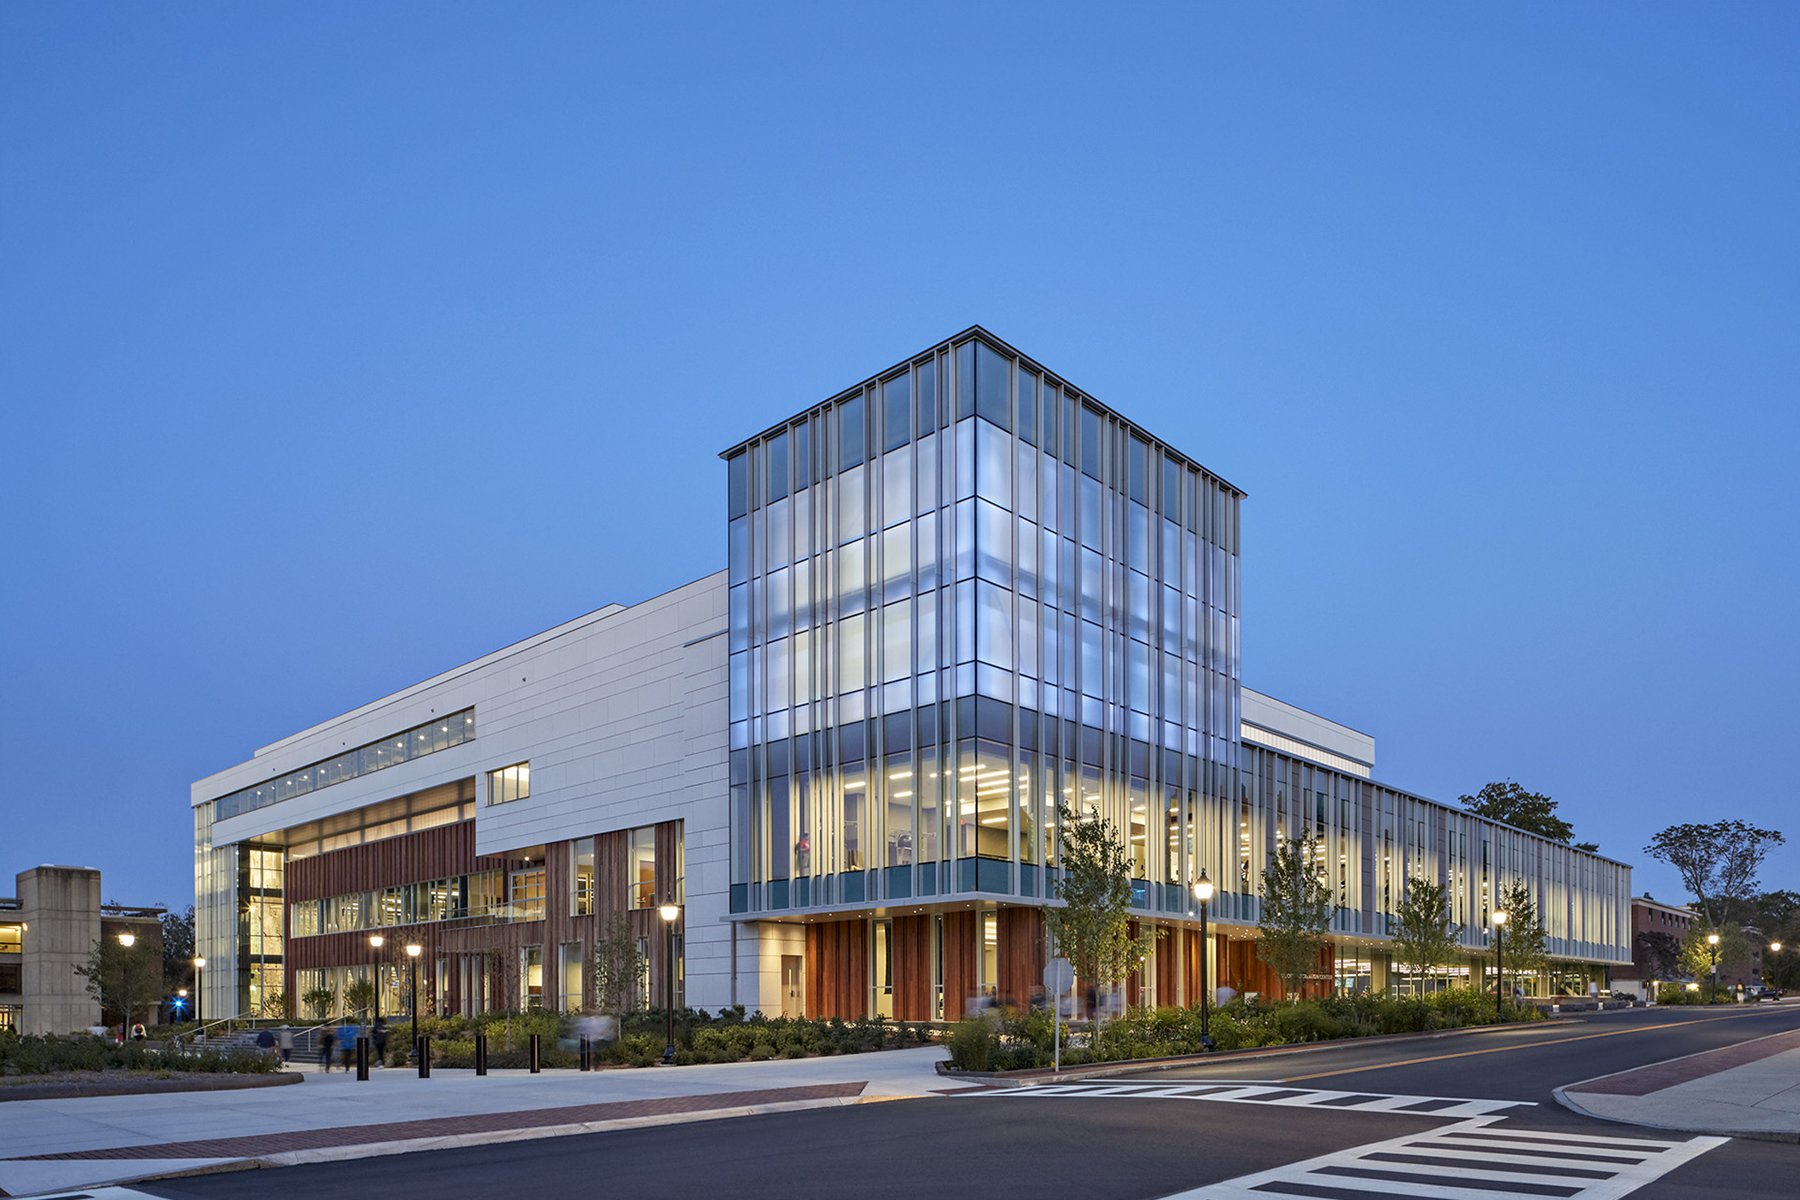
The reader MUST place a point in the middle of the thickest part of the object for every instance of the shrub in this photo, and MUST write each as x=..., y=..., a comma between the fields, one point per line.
x=45, y=1055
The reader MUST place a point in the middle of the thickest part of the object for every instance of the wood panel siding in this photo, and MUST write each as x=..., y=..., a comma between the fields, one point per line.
x=912, y=968
x=837, y=969
x=960, y=974
x=1021, y=954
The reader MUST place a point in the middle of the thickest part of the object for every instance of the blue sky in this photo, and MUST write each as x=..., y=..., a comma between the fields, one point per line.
x=341, y=343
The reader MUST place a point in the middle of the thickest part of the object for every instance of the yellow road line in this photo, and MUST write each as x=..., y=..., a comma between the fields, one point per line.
x=1408, y=1062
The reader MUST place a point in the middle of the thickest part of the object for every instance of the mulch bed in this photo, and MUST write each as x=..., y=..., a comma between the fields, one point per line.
x=68, y=1085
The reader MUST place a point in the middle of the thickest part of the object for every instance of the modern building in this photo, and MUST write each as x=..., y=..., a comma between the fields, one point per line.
x=962, y=599
x=50, y=927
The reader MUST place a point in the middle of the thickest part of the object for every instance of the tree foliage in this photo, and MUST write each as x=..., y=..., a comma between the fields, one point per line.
x=1717, y=862
x=1659, y=953
x=1093, y=925
x=178, y=949
x=1425, y=937
x=1296, y=912
x=619, y=968
x=126, y=980
x=1696, y=956
x=319, y=1001
x=359, y=995
x=1523, y=936
x=1505, y=801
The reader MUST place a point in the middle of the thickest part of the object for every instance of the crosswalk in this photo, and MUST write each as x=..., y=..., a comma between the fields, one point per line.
x=1472, y=1160
x=1275, y=1094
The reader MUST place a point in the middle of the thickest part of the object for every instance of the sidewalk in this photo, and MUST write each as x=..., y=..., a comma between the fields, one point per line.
x=1751, y=1089
x=52, y=1145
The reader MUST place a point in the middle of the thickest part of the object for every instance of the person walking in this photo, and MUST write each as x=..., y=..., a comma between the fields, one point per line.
x=346, y=1038
x=379, y=1037
x=285, y=1041
x=327, y=1043
x=265, y=1041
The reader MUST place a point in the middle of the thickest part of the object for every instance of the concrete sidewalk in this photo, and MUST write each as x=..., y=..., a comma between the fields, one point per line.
x=1750, y=1089
x=51, y=1145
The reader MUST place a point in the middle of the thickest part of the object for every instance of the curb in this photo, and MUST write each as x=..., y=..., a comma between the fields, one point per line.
x=185, y=1086
x=1037, y=1075
x=1755, y=1135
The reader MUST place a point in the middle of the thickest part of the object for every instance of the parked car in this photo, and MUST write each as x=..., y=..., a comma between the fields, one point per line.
x=1761, y=991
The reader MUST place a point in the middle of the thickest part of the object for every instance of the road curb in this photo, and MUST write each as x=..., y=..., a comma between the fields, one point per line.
x=1756, y=1135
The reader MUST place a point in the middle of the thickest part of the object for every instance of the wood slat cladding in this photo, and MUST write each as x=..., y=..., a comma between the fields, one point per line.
x=837, y=969
x=961, y=932
x=1240, y=968
x=1021, y=932
x=449, y=851
x=912, y=968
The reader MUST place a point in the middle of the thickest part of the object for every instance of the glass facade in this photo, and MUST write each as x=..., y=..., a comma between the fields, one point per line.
x=962, y=594
x=408, y=744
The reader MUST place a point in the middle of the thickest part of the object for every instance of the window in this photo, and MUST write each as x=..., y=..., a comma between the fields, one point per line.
x=12, y=939
x=640, y=868
x=527, y=895
x=509, y=783
x=581, y=877
x=531, y=977
x=568, y=970
x=438, y=734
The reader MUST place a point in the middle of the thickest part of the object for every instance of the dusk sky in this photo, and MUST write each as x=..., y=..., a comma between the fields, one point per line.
x=343, y=343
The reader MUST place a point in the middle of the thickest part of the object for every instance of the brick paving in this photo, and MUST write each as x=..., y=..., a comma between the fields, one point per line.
x=1644, y=1080
x=400, y=1131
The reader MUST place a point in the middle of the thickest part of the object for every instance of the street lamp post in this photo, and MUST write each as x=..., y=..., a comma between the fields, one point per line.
x=670, y=912
x=1774, y=967
x=1499, y=919
x=127, y=940
x=199, y=993
x=413, y=950
x=1203, y=892
x=375, y=943
x=1712, y=952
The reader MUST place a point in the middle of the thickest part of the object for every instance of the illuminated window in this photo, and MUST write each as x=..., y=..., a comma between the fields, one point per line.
x=527, y=895
x=509, y=783
x=640, y=867
x=581, y=877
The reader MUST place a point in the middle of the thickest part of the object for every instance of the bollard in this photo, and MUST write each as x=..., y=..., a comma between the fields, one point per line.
x=481, y=1054
x=587, y=1055
x=537, y=1054
x=422, y=1048
x=362, y=1059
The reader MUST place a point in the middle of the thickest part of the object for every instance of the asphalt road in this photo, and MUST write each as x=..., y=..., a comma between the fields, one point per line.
x=1139, y=1138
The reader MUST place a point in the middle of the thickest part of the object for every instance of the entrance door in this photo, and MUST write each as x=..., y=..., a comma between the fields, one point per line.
x=793, y=985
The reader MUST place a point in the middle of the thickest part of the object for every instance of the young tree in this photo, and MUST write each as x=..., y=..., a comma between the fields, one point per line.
x=618, y=969
x=359, y=994
x=1523, y=938
x=1505, y=801
x=1296, y=912
x=1093, y=925
x=1718, y=862
x=1697, y=957
x=1424, y=935
x=319, y=1002
x=126, y=981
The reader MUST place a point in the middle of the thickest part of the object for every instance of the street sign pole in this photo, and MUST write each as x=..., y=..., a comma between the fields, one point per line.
x=1059, y=977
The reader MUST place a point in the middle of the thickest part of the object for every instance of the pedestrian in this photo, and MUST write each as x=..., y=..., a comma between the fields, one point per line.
x=285, y=1040
x=137, y=1032
x=265, y=1041
x=346, y=1037
x=327, y=1043
x=379, y=1036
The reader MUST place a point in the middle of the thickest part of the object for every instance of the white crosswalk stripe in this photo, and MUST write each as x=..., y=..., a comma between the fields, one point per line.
x=1472, y=1160
x=1269, y=1094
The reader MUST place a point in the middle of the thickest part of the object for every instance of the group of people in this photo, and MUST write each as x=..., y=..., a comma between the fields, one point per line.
x=343, y=1040
x=277, y=1041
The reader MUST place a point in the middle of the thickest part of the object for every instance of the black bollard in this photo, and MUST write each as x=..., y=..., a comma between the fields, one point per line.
x=587, y=1059
x=537, y=1054
x=481, y=1054
x=422, y=1048
x=362, y=1059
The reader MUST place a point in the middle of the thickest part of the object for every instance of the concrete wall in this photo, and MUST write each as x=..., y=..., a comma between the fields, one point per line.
x=61, y=909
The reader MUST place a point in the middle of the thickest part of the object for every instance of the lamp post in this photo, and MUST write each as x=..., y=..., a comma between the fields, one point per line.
x=199, y=993
x=670, y=912
x=1774, y=948
x=376, y=941
x=1203, y=892
x=127, y=940
x=180, y=1003
x=1499, y=919
x=413, y=950
x=1712, y=952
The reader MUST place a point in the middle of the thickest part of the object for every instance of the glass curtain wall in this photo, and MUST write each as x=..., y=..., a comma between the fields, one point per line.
x=962, y=596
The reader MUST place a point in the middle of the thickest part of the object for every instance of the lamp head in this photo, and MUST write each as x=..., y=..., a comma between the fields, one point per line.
x=1499, y=917
x=375, y=940
x=182, y=992
x=1203, y=888
x=1774, y=947
x=199, y=961
x=670, y=910
x=1712, y=939
x=413, y=949
x=128, y=940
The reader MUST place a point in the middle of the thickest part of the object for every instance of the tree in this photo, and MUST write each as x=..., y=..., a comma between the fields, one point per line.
x=359, y=994
x=1424, y=935
x=1505, y=801
x=1697, y=953
x=126, y=980
x=1092, y=927
x=1717, y=862
x=1658, y=953
x=1296, y=912
x=178, y=949
x=319, y=1001
x=619, y=967
x=1522, y=939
